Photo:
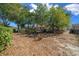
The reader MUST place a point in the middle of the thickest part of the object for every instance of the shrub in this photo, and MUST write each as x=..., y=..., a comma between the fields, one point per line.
x=5, y=37
x=15, y=30
x=30, y=31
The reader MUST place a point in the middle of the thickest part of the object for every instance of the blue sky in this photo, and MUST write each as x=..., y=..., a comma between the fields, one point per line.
x=74, y=18
x=73, y=9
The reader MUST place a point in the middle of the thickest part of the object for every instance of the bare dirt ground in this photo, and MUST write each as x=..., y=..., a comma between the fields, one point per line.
x=61, y=45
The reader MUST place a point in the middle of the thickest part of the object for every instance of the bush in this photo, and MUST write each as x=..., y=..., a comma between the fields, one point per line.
x=74, y=31
x=30, y=31
x=5, y=37
x=15, y=30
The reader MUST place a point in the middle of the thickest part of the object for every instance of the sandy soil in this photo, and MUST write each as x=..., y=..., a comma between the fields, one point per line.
x=61, y=45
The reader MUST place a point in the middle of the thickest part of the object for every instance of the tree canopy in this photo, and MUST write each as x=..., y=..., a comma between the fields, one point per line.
x=54, y=18
x=58, y=19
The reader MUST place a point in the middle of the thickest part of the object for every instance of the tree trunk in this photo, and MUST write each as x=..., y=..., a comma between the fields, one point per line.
x=5, y=22
x=18, y=27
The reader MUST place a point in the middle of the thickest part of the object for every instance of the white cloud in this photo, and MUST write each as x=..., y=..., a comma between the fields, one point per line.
x=31, y=10
x=55, y=6
x=34, y=6
x=74, y=8
x=48, y=6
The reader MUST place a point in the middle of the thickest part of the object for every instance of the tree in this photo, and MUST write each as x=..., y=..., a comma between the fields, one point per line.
x=40, y=14
x=55, y=18
x=17, y=14
x=3, y=14
x=58, y=19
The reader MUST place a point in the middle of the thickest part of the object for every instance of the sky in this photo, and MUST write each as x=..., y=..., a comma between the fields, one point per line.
x=72, y=8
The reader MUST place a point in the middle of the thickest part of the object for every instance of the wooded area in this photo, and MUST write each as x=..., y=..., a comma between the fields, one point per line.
x=31, y=27
x=48, y=20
